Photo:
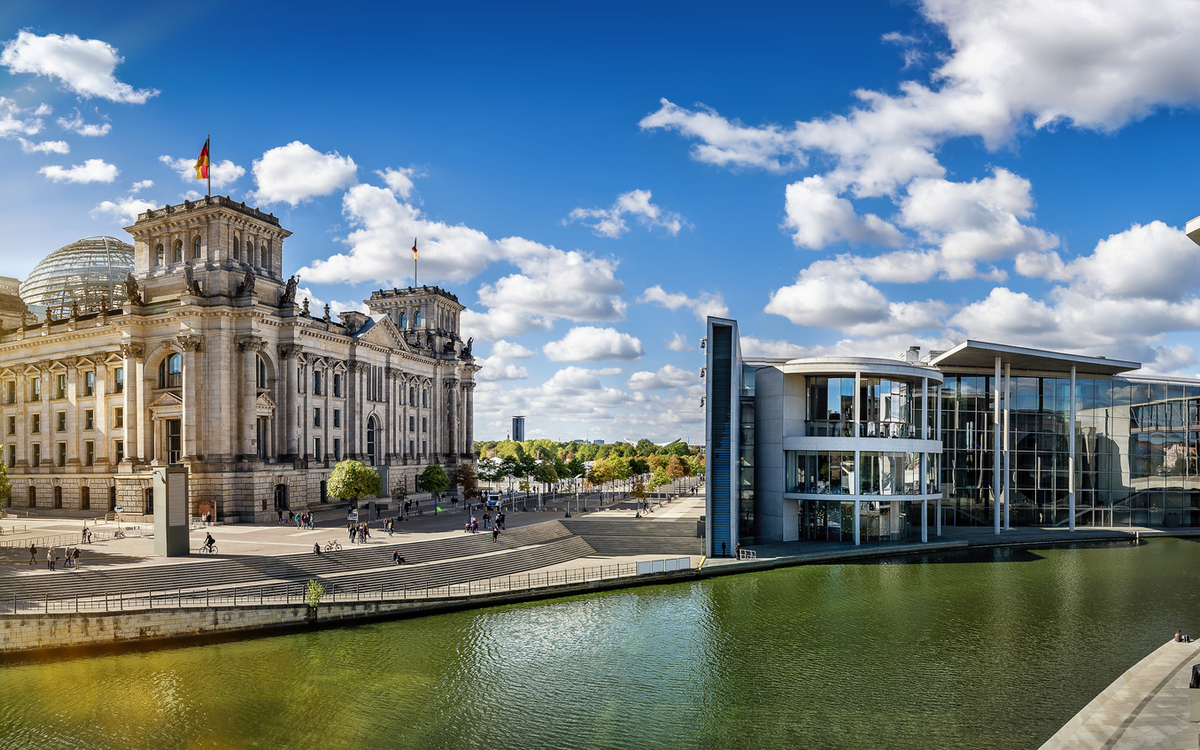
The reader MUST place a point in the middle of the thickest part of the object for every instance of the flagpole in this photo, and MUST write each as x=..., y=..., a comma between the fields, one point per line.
x=208, y=171
x=414, y=263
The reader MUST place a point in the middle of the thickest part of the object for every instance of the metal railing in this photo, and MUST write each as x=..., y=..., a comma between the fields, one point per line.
x=74, y=538
x=294, y=592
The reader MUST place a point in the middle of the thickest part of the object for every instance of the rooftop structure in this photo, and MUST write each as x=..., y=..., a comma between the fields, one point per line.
x=84, y=276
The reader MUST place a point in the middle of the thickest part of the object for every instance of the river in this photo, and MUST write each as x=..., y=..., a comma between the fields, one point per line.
x=981, y=649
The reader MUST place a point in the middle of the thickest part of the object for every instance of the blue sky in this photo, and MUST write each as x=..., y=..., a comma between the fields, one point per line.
x=591, y=180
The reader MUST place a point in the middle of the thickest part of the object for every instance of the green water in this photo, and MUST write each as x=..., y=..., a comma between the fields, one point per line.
x=964, y=650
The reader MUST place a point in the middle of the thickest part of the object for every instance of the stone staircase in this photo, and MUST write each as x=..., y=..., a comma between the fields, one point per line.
x=637, y=536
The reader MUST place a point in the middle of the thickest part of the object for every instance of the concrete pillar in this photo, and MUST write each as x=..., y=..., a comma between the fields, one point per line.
x=924, y=521
x=1007, y=448
x=854, y=490
x=858, y=430
x=996, y=448
x=937, y=426
x=1071, y=454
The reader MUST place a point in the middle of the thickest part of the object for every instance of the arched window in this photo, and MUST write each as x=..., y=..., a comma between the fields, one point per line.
x=158, y=254
x=403, y=319
x=177, y=252
x=57, y=496
x=371, y=440
x=32, y=496
x=266, y=256
x=417, y=319
x=196, y=247
x=262, y=373
x=412, y=396
x=170, y=371
x=237, y=252
x=85, y=498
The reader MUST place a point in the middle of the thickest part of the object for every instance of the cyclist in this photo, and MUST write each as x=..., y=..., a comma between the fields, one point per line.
x=209, y=541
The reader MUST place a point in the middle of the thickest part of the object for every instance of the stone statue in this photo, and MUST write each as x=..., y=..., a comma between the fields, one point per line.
x=466, y=350
x=327, y=312
x=289, y=293
x=247, y=285
x=304, y=311
x=448, y=347
x=191, y=286
x=131, y=290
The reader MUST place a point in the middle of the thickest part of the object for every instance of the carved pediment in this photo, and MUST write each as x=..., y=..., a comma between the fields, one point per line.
x=264, y=406
x=168, y=398
x=383, y=332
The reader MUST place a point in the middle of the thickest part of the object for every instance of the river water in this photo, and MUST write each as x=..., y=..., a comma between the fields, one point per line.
x=991, y=649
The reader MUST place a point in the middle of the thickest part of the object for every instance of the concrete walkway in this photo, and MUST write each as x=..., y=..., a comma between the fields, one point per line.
x=1147, y=707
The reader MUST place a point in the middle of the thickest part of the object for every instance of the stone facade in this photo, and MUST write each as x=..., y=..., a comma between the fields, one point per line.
x=212, y=363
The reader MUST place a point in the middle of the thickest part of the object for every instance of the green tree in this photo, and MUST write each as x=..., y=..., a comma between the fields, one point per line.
x=639, y=465
x=575, y=468
x=659, y=478
x=5, y=485
x=433, y=479
x=313, y=593
x=400, y=493
x=465, y=477
x=351, y=480
x=545, y=473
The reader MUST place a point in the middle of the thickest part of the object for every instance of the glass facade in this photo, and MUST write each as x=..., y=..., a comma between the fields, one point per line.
x=1135, y=451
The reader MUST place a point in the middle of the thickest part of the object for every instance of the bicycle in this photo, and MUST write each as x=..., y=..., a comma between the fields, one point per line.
x=208, y=550
x=118, y=534
x=333, y=546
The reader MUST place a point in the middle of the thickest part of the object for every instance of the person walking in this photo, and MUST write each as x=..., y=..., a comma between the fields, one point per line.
x=500, y=520
x=51, y=556
x=495, y=533
x=353, y=532
x=75, y=563
x=32, y=554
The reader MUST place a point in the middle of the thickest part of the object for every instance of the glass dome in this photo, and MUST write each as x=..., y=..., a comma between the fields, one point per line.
x=88, y=273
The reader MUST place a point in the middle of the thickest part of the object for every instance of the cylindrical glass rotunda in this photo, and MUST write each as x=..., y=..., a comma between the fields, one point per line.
x=88, y=273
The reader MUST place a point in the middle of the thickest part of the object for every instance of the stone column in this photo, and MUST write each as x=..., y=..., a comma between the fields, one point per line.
x=191, y=392
x=389, y=415
x=74, y=416
x=451, y=439
x=469, y=418
x=287, y=397
x=101, y=435
x=132, y=354
x=47, y=417
x=247, y=418
x=351, y=415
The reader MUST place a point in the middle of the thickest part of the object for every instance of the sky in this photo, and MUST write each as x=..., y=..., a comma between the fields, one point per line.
x=593, y=180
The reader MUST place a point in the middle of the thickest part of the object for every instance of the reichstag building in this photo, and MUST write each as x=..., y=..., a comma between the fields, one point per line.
x=189, y=346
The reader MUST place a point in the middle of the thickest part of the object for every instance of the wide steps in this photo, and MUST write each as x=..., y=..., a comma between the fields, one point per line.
x=639, y=527
x=618, y=546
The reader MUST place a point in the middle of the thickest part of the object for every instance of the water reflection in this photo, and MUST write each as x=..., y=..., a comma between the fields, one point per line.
x=916, y=655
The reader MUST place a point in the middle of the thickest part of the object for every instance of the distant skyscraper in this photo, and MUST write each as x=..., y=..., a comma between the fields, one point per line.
x=518, y=429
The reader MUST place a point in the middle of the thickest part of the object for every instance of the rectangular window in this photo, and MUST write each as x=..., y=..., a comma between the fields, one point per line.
x=337, y=385
x=411, y=448
x=11, y=452
x=89, y=383
x=337, y=417
x=337, y=449
x=317, y=417
x=10, y=392
x=119, y=450
x=119, y=417
x=35, y=424
x=317, y=448
x=12, y=425
x=89, y=453
x=424, y=424
x=62, y=454
x=316, y=383
x=412, y=424
x=62, y=421
x=424, y=447
x=37, y=454
x=60, y=386
x=35, y=389
x=89, y=419
x=119, y=380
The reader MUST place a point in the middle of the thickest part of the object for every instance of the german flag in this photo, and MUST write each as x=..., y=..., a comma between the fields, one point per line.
x=414, y=247
x=202, y=163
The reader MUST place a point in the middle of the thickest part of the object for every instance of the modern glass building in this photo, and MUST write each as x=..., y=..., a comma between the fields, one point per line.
x=864, y=450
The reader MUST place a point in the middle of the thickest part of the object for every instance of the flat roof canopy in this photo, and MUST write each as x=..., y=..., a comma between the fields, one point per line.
x=983, y=354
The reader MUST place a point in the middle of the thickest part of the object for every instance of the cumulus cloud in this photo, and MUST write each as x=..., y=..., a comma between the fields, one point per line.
x=79, y=127
x=491, y=325
x=679, y=343
x=818, y=217
x=84, y=66
x=509, y=350
x=771, y=348
x=592, y=344
x=122, y=211
x=298, y=172
x=399, y=180
x=610, y=222
x=141, y=185
x=222, y=173
x=1153, y=261
x=500, y=366
x=92, y=170
x=667, y=376
x=16, y=120
x=702, y=306
x=729, y=143
x=45, y=147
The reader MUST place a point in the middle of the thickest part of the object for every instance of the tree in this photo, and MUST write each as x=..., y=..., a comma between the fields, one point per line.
x=575, y=468
x=351, y=480
x=646, y=447
x=465, y=477
x=433, y=479
x=5, y=485
x=639, y=465
x=545, y=472
x=676, y=469
x=400, y=493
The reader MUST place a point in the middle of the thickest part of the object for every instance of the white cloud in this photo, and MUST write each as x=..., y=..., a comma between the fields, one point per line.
x=771, y=348
x=500, y=367
x=222, y=173
x=45, y=147
x=729, y=144
x=1153, y=261
x=15, y=120
x=819, y=217
x=297, y=172
x=508, y=350
x=591, y=344
x=79, y=127
x=123, y=211
x=84, y=66
x=497, y=324
x=635, y=203
x=667, y=376
x=400, y=180
x=679, y=343
x=703, y=306
x=92, y=170
x=141, y=185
